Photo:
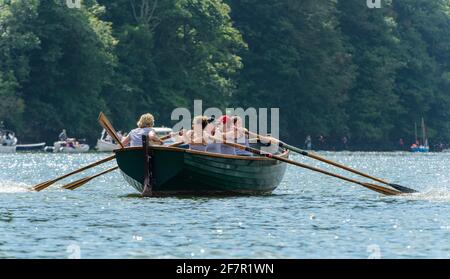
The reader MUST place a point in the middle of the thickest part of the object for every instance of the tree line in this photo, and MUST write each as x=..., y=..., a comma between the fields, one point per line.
x=335, y=68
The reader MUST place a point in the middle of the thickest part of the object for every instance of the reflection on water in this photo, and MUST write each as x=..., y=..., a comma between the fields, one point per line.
x=309, y=215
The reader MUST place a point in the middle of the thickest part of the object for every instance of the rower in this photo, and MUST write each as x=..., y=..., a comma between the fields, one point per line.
x=226, y=133
x=145, y=127
x=197, y=137
x=241, y=136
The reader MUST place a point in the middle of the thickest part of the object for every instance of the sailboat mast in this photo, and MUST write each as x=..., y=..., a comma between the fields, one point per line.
x=424, y=133
x=415, y=132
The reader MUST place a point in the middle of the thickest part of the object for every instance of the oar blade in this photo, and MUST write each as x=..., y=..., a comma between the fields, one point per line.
x=381, y=189
x=106, y=124
x=41, y=186
x=403, y=189
x=76, y=184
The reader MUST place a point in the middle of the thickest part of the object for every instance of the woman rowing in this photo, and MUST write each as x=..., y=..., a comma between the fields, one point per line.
x=197, y=137
x=225, y=133
x=241, y=136
x=214, y=146
x=145, y=127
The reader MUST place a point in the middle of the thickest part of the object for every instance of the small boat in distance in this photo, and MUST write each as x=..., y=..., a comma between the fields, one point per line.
x=420, y=147
x=68, y=146
x=106, y=144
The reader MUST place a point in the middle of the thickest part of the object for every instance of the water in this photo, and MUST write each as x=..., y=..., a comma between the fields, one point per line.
x=308, y=216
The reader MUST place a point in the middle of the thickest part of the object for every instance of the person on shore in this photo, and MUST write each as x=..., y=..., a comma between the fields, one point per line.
x=308, y=143
x=145, y=127
x=344, y=141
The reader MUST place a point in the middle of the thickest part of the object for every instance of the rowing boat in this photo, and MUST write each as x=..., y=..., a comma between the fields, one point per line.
x=175, y=171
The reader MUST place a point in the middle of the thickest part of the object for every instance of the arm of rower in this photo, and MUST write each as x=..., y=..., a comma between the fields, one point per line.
x=264, y=139
x=126, y=141
x=153, y=137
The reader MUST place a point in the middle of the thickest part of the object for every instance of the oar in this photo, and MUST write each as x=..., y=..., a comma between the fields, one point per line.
x=109, y=128
x=74, y=185
x=400, y=188
x=176, y=144
x=42, y=186
x=376, y=188
x=106, y=124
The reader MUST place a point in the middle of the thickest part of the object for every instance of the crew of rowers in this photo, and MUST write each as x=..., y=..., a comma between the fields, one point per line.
x=207, y=135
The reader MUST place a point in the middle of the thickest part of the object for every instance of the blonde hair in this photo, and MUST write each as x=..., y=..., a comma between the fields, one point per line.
x=146, y=121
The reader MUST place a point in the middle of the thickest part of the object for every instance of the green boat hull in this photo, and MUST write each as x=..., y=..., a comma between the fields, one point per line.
x=180, y=171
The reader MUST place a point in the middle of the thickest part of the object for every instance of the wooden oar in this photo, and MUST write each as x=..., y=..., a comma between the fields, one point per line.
x=176, y=144
x=106, y=124
x=42, y=186
x=109, y=128
x=376, y=188
x=400, y=188
x=74, y=185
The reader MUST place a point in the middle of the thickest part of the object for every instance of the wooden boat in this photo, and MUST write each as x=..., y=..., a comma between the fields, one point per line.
x=31, y=147
x=175, y=171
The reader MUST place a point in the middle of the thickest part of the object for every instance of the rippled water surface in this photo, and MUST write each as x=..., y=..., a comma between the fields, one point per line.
x=308, y=216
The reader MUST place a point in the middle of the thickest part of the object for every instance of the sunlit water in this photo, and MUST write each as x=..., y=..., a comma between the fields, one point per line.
x=308, y=216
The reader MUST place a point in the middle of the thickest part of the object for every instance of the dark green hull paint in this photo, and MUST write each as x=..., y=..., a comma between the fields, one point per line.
x=179, y=171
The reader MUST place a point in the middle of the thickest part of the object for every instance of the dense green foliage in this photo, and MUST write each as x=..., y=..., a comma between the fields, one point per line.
x=334, y=67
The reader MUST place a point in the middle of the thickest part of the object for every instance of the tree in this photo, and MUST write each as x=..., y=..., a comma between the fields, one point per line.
x=423, y=80
x=297, y=62
x=68, y=71
x=372, y=106
x=16, y=42
x=170, y=53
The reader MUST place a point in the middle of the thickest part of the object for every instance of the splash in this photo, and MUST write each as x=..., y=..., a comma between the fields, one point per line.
x=13, y=187
x=435, y=194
